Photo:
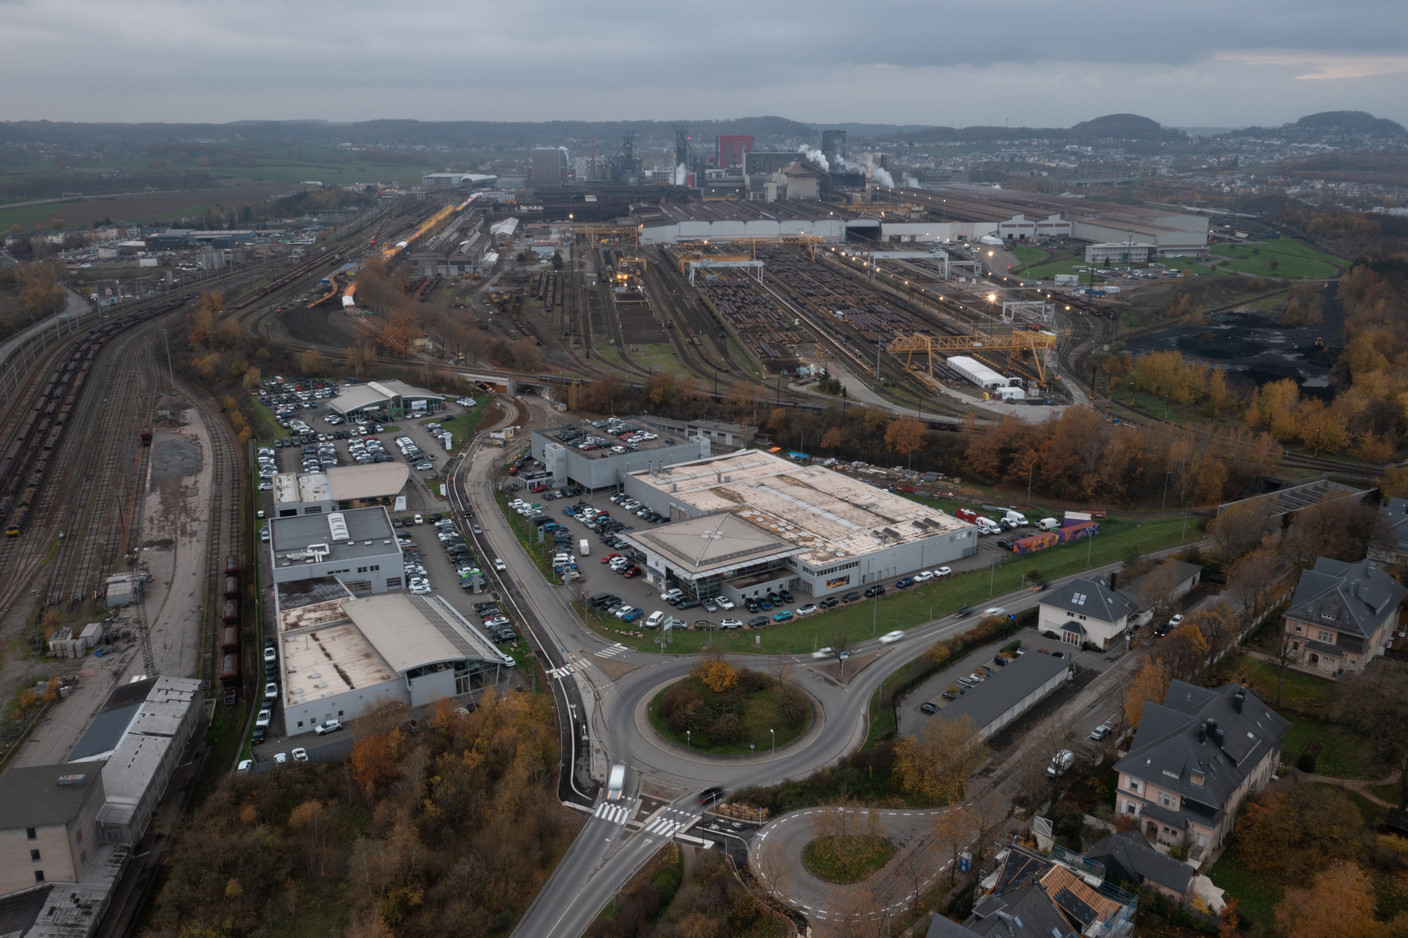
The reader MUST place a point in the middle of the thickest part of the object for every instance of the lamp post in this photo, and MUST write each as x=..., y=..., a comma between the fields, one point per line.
x=773, y=734
x=687, y=743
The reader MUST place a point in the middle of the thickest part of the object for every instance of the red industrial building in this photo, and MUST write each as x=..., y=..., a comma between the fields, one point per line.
x=731, y=148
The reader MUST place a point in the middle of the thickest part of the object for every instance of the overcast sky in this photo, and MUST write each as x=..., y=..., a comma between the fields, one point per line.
x=1220, y=63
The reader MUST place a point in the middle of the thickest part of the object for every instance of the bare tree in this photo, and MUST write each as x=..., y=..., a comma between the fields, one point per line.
x=1159, y=585
x=1250, y=577
x=1239, y=529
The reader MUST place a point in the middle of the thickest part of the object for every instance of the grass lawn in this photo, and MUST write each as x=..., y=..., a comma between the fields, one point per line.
x=1047, y=269
x=904, y=609
x=464, y=425
x=1343, y=755
x=659, y=356
x=1291, y=258
x=1299, y=691
x=846, y=858
x=1256, y=895
x=760, y=711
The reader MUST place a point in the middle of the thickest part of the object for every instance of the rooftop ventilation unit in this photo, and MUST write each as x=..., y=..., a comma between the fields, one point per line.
x=337, y=525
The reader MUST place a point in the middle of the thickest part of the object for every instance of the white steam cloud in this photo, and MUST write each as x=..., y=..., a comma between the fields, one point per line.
x=882, y=177
x=815, y=157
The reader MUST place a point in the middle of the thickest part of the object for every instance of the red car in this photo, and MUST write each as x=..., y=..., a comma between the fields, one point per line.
x=538, y=488
x=513, y=470
x=631, y=571
x=609, y=557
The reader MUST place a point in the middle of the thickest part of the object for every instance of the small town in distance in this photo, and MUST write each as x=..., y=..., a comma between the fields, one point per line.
x=725, y=528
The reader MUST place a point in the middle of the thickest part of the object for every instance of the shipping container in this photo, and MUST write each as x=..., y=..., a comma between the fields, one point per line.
x=1077, y=531
x=1035, y=542
x=966, y=514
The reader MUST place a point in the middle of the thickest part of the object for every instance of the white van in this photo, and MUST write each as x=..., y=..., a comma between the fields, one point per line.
x=987, y=526
x=1048, y=524
x=1016, y=517
x=616, y=783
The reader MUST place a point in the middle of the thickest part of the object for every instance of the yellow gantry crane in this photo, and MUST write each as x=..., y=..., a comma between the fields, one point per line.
x=1024, y=340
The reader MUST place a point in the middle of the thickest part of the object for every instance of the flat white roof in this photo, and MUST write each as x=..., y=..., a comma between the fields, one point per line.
x=831, y=515
x=333, y=647
x=376, y=480
x=377, y=392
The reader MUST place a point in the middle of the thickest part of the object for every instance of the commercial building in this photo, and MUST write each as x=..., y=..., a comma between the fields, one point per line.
x=1195, y=758
x=338, y=488
x=343, y=656
x=549, y=166
x=457, y=180
x=358, y=547
x=847, y=532
x=1341, y=616
x=1122, y=252
x=1008, y=692
x=385, y=400
x=597, y=458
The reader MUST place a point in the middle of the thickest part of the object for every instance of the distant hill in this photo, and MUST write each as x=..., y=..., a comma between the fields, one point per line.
x=1329, y=125
x=1351, y=122
x=1122, y=127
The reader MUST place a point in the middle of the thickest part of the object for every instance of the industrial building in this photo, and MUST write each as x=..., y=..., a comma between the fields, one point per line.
x=67, y=830
x=338, y=488
x=457, y=180
x=980, y=374
x=833, y=146
x=386, y=400
x=358, y=547
x=974, y=211
x=843, y=532
x=564, y=453
x=730, y=149
x=343, y=656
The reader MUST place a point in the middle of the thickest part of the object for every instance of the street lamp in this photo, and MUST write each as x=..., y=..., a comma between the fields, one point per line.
x=773, y=734
x=687, y=744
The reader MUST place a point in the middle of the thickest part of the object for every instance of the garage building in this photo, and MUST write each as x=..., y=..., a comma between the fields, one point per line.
x=342, y=657
x=358, y=547
x=386, y=400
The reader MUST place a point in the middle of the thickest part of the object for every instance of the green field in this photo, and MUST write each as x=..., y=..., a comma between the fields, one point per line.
x=1280, y=258
x=1038, y=263
x=905, y=609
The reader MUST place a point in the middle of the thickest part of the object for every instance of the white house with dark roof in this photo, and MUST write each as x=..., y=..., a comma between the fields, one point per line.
x=1082, y=610
x=1195, y=758
x=1342, y=615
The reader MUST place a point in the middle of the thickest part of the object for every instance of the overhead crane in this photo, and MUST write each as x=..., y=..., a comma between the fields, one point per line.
x=1024, y=340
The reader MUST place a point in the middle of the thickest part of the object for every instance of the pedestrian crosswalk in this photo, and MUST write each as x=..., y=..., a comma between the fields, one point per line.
x=560, y=673
x=669, y=822
x=615, y=813
x=611, y=652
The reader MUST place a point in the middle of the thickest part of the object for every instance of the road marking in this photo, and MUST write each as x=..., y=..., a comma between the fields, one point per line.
x=560, y=673
x=611, y=652
x=615, y=813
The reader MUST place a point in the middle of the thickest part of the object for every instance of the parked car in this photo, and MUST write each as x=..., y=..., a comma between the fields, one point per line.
x=328, y=726
x=758, y=622
x=300, y=755
x=782, y=616
x=1100, y=733
x=942, y=571
x=850, y=597
x=1061, y=763
x=729, y=623
x=806, y=610
x=904, y=582
x=830, y=602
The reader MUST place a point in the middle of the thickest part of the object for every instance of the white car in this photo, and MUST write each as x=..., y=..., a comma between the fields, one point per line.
x=419, y=520
x=654, y=620
x=806, y=610
x=280, y=759
x=822, y=652
x=731, y=624
x=328, y=726
x=271, y=691
x=923, y=576
x=942, y=572
x=300, y=755
x=420, y=589
x=271, y=654
x=244, y=766
x=998, y=611
x=890, y=637
x=1061, y=763
x=264, y=717
x=499, y=564
x=724, y=602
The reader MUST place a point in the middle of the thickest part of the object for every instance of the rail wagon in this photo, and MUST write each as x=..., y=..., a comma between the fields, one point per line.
x=230, y=670
x=232, y=587
x=230, y=638
x=232, y=565
x=231, y=612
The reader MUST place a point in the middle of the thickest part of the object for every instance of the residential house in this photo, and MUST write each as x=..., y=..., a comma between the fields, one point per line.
x=1086, y=610
x=1341, y=616
x=1195, y=758
x=1127, y=856
x=1025, y=894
